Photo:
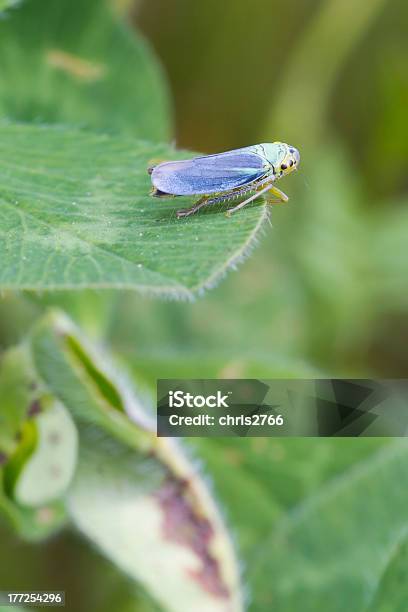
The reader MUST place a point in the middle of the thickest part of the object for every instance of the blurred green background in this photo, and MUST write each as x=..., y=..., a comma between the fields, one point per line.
x=325, y=293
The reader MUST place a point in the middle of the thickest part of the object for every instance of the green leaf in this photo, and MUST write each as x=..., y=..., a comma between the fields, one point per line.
x=47, y=473
x=32, y=524
x=72, y=62
x=76, y=373
x=277, y=474
x=75, y=213
x=141, y=518
x=37, y=449
x=329, y=552
x=136, y=496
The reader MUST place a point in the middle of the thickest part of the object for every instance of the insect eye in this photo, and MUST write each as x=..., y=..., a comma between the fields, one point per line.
x=283, y=167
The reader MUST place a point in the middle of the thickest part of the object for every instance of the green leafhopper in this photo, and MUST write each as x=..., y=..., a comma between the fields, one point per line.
x=226, y=176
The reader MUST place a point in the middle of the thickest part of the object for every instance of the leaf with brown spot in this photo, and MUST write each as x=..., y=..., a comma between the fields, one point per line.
x=139, y=498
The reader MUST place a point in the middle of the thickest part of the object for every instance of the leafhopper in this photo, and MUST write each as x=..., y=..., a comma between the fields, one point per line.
x=246, y=173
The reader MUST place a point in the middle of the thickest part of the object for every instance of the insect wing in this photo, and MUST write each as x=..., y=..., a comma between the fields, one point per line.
x=210, y=173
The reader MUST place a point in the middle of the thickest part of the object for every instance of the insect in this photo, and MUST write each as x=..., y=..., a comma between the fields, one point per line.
x=226, y=176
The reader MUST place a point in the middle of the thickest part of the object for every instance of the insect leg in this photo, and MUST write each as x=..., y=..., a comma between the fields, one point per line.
x=217, y=199
x=245, y=202
x=210, y=200
x=186, y=212
x=282, y=197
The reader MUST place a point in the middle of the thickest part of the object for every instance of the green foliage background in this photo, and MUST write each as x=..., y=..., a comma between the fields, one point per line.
x=319, y=524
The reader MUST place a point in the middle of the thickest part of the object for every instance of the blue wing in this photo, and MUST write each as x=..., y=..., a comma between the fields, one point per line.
x=211, y=173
